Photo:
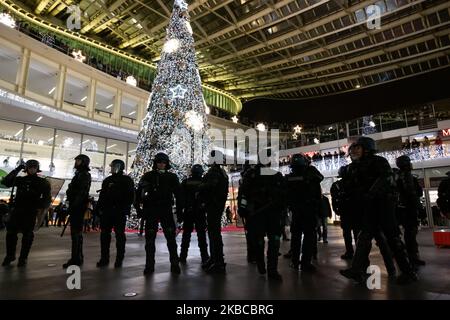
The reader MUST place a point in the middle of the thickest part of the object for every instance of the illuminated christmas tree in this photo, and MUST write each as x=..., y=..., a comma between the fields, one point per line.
x=176, y=121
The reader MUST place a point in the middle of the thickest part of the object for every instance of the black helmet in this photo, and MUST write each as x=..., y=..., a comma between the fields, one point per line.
x=117, y=166
x=32, y=164
x=216, y=157
x=299, y=160
x=342, y=171
x=161, y=157
x=403, y=163
x=368, y=144
x=85, y=161
x=197, y=170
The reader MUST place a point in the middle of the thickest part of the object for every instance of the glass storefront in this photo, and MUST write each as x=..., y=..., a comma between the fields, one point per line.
x=56, y=149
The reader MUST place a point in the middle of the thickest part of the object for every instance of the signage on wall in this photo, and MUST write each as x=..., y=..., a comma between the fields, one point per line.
x=446, y=132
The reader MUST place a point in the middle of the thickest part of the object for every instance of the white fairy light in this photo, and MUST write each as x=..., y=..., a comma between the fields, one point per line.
x=181, y=4
x=131, y=81
x=193, y=120
x=189, y=27
x=261, y=127
x=7, y=20
x=171, y=46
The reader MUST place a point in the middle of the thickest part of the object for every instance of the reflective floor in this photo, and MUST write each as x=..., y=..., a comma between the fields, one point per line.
x=44, y=277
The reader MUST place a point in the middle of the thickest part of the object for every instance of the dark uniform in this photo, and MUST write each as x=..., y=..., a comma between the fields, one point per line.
x=340, y=200
x=262, y=202
x=193, y=215
x=32, y=195
x=325, y=213
x=214, y=190
x=409, y=192
x=304, y=201
x=156, y=191
x=251, y=258
x=78, y=198
x=376, y=186
x=443, y=200
x=113, y=207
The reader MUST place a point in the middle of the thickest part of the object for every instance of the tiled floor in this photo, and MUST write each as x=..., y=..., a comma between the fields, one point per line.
x=44, y=278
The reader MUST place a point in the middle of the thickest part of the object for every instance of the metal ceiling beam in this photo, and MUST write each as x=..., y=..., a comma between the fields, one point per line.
x=337, y=80
x=301, y=56
x=308, y=27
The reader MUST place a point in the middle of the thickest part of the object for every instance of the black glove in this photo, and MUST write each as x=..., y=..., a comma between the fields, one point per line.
x=20, y=167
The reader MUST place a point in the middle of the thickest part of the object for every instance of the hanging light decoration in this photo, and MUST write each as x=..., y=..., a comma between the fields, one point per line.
x=261, y=127
x=235, y=119
x=193, y=120
x=171, y=46
x=131, y=81
x=78, y=55
x=297, y=129
x=7, y=20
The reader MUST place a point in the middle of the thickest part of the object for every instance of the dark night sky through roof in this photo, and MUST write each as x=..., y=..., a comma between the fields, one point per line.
x=329, y=109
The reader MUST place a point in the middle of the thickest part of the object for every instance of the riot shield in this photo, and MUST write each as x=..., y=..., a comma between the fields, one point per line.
x=56, y=186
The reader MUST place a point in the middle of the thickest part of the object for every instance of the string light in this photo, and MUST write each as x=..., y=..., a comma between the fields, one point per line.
x=171, y=46
x=193, y=120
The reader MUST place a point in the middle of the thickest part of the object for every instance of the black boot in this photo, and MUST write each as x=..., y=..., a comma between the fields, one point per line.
x=27, y=241
x=120, y=249
x=77, y=255
x=274, y=275
x=105, y=240
x=175, y=268
x=11, y=243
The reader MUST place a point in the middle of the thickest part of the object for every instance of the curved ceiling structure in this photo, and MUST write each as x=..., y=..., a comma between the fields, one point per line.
x=293, y=49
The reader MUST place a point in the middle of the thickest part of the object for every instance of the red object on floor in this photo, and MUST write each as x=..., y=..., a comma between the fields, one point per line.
x=441, y=237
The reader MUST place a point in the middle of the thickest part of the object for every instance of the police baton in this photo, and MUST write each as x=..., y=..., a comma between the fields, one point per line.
x=65, y=226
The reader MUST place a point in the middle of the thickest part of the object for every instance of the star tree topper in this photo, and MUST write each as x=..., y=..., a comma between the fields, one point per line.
x=181, y=4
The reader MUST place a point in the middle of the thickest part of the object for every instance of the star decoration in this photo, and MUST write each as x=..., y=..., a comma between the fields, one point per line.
x=297, y=129
x=294, y=136
x=78, y=55
x=178, y=92
x=181, y=4
x=235, y=119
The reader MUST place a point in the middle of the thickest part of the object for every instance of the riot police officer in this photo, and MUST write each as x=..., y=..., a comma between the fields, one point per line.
x=32, y=199
x=443, y=200
x=342, y=206
x=304, y=200
x=156, y=191
x=214, y=189
x=408, y=207
x=193, y=214
x=376, y=188
x=78, y=197
x=243, y=214
x=113, y=207
x=262, y=204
